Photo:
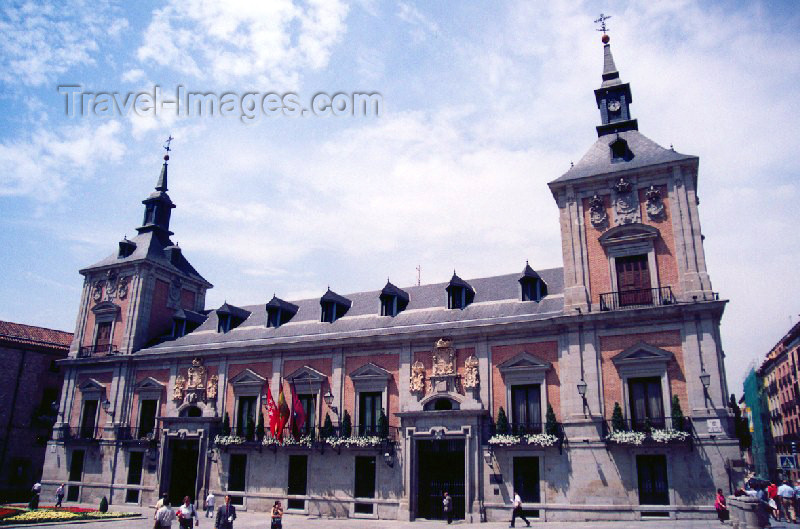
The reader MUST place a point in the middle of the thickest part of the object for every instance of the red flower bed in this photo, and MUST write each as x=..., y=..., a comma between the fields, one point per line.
x=6, y=512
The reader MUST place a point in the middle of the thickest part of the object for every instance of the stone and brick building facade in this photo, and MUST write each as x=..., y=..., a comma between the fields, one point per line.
x=778, y=376
x=30, y=385
x=425, y=374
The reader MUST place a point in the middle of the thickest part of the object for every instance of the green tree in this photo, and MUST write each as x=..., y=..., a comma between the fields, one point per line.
x=383, y=425
x=678, y=420
x=260, y=431
x=501, y=427
x=347, y=425
x=226, y=424
x=327, y=427
x=551, y=425
x=617, y=421
x=103, y=505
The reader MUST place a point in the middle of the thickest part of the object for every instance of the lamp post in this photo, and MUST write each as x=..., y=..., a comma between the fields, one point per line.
x=328, y=398
x=705, y=379
x=582, y=392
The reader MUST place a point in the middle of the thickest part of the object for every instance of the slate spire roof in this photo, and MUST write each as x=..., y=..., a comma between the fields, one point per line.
x=610, y=73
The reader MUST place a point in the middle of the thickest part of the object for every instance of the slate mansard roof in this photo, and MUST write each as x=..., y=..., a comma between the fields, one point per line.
x=598, y=160
x=150, y=246
x=497, y=299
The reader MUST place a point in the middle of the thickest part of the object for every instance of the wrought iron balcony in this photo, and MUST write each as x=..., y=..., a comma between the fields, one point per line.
x=129, y=433
x=522, y=428
x=631, y=299
x=97, y=350
x=81, y=433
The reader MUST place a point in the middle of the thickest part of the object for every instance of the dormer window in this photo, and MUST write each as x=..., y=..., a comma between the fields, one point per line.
x=126, y=248
x=393, y=300
x=459, y=293
x=230, y=317
x=279, y=312
x=620, y=151
x=333, y=306
x=173, y=254
x=532, y=286
x=186, y=321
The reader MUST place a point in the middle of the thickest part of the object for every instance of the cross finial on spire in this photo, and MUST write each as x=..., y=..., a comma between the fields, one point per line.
x=166, y=145
x=602, y=22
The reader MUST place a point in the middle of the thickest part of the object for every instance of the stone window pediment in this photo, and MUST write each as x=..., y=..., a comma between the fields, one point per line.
x=370, y=371
x=643, y=355
x=92, y=386
x=149, y=384
x=524, y=364
x=248, y=377
x=105, y=311
x=307, y=379
x=629, y=234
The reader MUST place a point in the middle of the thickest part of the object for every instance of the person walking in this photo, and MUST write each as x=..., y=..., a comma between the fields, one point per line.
x=277, y=516
x=797, y=499
x=60, y=494
x=447, y=507
x=185, y=514
x=35, y=490
x=210, y=499
x=160, y=503
x=226, y=514
x=786, y=497
x=517, y=511
x=164, y=515
x=772, y=499
x=721, y=506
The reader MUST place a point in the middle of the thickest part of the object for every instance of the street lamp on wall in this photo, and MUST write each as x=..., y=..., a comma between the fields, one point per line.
x=107, y=407
x=328, y=398
x=705, y=379
x=582, y=392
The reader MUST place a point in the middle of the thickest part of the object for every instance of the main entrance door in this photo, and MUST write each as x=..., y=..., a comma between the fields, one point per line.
x=440, y=468
x=182, y=470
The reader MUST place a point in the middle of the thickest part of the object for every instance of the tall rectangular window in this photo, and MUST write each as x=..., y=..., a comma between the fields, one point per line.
x=526, y=478
x=369, y=409
x=88, y=419
x=647, y=408
x=103, y=337
x=237, y=473
x=633, y=280
x=75, y=474
x=652, y=474
x=147, y=417
x=364, y=483
x=245, y=414
x=134, y=476
x=298, y=481
x=526, y=408
x=309, y=403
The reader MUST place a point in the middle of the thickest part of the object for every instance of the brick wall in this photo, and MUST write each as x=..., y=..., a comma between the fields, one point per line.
x=544, y=351
x=610, y=346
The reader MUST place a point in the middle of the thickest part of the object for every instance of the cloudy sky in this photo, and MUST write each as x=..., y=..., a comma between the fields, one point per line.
x=483, y=104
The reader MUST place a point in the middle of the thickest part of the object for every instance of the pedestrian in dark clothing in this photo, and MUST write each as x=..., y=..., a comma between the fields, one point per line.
x=60, y=494
x=447, y=507
x=226, y=514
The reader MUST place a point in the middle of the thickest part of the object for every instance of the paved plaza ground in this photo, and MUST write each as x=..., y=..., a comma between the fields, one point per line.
x=247, y=520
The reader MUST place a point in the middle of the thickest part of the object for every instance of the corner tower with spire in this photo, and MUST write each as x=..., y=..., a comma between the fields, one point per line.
x=130, y=298
x=613, y=97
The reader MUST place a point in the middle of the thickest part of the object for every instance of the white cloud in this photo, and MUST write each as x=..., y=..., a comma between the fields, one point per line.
x=134, y=75
x=41, y=41
x=41, y=167
x=272, y=43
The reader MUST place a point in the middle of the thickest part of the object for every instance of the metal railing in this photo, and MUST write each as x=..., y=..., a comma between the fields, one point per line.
x=644, y=297
x=97, y=350
x=520, y=428
x=81, y=433
x=130, y=433
x=318, y=433
x=648, y=424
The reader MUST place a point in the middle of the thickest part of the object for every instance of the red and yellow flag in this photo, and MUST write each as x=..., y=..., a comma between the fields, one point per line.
x=283, y=412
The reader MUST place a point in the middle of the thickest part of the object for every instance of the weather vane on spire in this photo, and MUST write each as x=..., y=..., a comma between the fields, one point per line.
x=166, y=145
x=602, y=22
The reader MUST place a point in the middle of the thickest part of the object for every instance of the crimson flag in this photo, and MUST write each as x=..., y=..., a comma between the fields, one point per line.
x=283, y=412
x=298, y=414
x=272, y=414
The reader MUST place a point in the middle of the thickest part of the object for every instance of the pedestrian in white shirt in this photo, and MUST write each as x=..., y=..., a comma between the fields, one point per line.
x=786, y=495
x=185, y=514
x=517, y=512
x=210, y=499
x=165, y=515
